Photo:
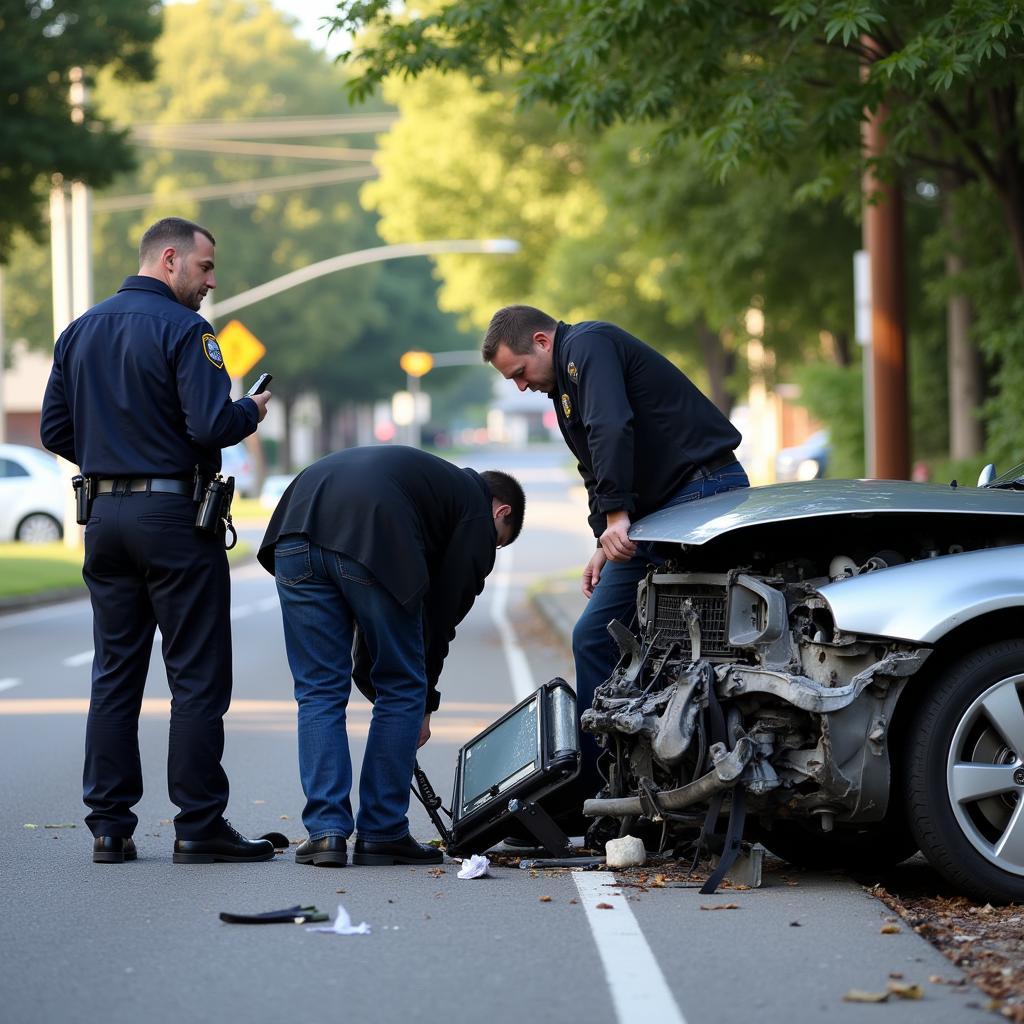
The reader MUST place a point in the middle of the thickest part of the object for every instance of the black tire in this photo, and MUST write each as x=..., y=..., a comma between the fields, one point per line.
x=39, y=528
x=869, y=847
x=965, y=777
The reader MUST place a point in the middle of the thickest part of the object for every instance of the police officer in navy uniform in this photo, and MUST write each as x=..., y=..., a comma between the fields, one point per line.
x=644, y=436
x=138, y=398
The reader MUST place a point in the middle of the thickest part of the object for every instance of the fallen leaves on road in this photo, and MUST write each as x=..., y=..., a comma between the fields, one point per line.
x=905, y=990
x=605, y=906
x=436, y=872
x=544, y=899
x=858, y=995
x=720, y=906
x=985, y=942
x=890, y=929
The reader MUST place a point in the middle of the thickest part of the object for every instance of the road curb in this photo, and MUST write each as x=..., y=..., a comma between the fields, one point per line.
x=559, y=603
x=21, y=602
x=25, y=602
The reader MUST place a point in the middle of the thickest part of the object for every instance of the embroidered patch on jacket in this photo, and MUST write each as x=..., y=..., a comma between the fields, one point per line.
x=566, y=406
x=212, y=350
x=574, y=374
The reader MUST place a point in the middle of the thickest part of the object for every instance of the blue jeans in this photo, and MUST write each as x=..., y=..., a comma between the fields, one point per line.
x=324, y=595
x=594, y=652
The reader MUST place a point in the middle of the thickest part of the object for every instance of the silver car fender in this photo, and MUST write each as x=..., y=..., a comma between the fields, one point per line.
x=922, y=601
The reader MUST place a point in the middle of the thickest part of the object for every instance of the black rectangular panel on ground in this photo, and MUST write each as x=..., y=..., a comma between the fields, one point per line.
x=530, y=754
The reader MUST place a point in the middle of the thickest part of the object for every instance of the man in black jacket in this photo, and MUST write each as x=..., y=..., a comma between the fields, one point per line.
x=397, y=544
x=644, y=437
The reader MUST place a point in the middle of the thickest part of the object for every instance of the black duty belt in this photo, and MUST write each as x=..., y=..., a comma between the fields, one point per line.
x=124, y=485
x=708, y=468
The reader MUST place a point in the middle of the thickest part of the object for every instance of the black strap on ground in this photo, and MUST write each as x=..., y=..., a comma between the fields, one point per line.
x=290, y=915
x=733, y=839
x=737, y=812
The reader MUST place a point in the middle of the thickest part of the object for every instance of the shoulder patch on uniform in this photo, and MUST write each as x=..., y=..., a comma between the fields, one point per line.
x=566, y=406
x=212, y=351
x=574, y=374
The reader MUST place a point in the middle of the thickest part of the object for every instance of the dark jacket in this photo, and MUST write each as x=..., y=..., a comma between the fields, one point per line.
x=138, y=388
x=422, y=526
x=637, y=425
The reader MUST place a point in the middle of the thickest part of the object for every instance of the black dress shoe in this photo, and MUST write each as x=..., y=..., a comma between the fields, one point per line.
x=399, y=851
x=226, y=845
x=328, y=852
x=113, y=849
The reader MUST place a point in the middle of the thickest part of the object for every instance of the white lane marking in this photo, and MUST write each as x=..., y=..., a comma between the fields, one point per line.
x=518, y=667
x=9, y=684
x=79, y=659
x=639, y=991
x=243, y=611
x=268, y=604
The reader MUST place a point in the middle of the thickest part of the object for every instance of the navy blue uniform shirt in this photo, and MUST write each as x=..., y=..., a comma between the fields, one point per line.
x=138, y=388
x=637, y=425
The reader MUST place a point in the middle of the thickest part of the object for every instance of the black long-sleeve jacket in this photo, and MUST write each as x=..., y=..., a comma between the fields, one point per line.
x=138, y=388
x=422, y=526
x=637, y=425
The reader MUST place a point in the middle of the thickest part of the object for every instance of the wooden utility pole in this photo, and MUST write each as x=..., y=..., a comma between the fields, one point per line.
x=883, y=240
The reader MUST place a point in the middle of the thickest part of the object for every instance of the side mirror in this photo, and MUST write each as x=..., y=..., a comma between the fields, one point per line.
x=987, y=475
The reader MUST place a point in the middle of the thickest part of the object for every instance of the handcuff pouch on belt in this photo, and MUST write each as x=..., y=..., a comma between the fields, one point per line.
x=84, y=490
x=215, y=508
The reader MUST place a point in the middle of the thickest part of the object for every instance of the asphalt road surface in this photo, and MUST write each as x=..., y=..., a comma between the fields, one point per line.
x=142, y=941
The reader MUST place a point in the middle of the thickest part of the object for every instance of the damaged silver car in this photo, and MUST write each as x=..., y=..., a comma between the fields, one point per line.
x=836, y=667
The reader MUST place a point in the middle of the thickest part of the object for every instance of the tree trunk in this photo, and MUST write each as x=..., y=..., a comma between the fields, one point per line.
x=966, y=433
x=719, y=364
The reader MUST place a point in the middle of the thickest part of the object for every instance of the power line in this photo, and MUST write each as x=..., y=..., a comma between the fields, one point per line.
x=254, y=148
x=235, y=188
x=274, y=127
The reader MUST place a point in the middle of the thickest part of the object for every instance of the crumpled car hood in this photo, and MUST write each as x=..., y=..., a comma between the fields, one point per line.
x=697, y=522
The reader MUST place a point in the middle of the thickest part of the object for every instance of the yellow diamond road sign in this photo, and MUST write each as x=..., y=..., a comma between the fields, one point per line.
x=241, y=349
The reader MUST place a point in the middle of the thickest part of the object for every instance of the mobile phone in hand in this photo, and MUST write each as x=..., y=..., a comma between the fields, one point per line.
x=261, y=385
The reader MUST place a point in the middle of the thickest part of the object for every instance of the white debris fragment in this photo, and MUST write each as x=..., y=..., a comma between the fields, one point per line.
x=343, y=925
x=475, y=866
x=626, y=852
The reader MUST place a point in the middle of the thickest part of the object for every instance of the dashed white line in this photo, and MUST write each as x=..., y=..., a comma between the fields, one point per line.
x=9, y=684
x=79, y=659
x=518, y=666
x=638, y=988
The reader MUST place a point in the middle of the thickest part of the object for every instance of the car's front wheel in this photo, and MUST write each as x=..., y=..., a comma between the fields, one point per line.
x=38, y=528
x=965, y=783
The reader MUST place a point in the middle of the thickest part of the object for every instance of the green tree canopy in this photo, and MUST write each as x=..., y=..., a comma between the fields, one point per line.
x=755, y=82
x=39, y=43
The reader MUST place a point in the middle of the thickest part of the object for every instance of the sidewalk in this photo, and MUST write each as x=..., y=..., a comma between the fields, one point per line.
x=560, y=603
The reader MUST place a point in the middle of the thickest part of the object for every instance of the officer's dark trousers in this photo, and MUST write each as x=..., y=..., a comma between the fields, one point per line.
x=146, y=565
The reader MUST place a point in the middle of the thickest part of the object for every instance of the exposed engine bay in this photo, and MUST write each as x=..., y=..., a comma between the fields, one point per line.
x=746, y=672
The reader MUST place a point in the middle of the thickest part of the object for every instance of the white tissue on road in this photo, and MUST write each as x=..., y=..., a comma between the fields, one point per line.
x=475, y=866
x=343, y=925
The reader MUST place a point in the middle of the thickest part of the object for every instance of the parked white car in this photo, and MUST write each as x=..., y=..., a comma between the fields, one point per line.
x=31, y=495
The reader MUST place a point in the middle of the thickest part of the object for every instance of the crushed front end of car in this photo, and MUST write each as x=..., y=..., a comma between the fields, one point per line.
x=784, y=665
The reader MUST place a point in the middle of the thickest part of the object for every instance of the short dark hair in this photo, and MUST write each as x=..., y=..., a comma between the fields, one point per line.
x=508, y=491
x=515, y=326
x=174, y=231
